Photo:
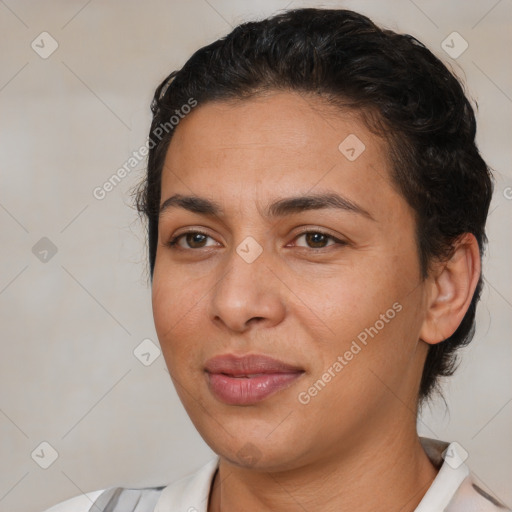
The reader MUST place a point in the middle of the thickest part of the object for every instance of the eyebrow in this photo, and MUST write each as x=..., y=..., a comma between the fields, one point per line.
x=279, y=208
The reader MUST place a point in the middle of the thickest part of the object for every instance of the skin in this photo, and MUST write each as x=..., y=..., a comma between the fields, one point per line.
x=354, y=446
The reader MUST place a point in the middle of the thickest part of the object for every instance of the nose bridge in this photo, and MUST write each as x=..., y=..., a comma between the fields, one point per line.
x=247, y=289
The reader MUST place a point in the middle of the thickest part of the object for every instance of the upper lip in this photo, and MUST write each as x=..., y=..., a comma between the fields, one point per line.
x=250, y=364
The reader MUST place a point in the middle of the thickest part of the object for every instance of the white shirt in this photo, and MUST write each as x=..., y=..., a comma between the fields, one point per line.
x=454, y=489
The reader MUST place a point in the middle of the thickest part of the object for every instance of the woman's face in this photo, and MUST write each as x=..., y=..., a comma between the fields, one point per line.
x=330, y=289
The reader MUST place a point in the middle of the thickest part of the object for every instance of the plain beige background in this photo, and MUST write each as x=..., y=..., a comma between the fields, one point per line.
x=70, y=323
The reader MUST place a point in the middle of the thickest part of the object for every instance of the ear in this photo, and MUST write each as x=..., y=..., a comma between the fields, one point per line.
x=451, y=287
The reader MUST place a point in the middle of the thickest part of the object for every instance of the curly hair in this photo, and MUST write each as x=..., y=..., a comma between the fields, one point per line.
x=404, y=93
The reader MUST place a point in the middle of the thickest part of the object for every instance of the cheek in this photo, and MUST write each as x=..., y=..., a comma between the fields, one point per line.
x=374, y=303
x=162, y=300
x=176, y=310
x=175, y=294
x=352, y=298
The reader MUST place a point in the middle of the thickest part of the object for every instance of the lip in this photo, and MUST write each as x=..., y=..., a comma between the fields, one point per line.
x=245, y=380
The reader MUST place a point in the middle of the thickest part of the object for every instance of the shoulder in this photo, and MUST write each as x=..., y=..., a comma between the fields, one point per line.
x=176, y=496
x=80, y=503
x=454, y=488
x=115, y=498
x=470, y=497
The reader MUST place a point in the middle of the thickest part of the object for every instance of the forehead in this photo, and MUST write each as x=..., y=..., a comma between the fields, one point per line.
x=273, y=144
x=284, y=119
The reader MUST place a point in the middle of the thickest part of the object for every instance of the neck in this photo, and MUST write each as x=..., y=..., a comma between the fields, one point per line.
x=389, y=471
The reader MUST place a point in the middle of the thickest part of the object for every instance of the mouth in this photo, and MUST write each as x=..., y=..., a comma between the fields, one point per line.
x=249, y=379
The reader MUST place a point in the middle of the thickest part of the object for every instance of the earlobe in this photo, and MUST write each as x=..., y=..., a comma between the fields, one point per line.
x=452, y=285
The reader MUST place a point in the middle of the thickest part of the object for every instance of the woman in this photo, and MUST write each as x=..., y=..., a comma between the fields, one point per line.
x=316, y=210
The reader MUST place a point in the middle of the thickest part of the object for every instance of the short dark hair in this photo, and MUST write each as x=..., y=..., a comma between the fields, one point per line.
x=404, y=93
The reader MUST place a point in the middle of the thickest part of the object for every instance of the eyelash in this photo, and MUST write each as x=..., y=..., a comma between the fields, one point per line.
x=173, y=243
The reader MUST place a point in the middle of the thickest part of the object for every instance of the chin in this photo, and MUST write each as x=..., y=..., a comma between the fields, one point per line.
x=255, y=448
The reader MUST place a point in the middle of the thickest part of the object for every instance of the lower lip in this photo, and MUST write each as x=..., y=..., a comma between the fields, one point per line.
x=248, y=390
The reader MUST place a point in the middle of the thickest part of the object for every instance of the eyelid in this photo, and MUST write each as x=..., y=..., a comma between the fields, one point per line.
x=173, y=242
x=311, y=229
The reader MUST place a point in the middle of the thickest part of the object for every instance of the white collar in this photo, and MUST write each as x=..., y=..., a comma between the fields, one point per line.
x=452, y=473
x=190, y=494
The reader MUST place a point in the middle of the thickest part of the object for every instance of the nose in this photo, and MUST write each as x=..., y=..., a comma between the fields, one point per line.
x=247, y=294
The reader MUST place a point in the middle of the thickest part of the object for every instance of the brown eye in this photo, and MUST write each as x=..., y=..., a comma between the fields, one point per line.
x=193, y=239
x=318, y=240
